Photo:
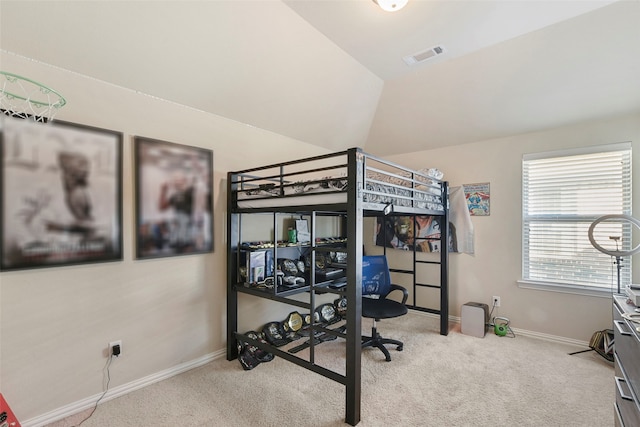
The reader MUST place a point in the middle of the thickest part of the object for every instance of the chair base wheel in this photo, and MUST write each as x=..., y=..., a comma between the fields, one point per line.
x=377, y=341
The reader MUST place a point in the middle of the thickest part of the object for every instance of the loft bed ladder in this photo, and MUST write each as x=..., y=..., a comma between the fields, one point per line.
x=417, y=282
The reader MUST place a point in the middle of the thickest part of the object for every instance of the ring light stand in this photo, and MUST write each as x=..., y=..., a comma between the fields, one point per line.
x=602, y=341
x=618, y=254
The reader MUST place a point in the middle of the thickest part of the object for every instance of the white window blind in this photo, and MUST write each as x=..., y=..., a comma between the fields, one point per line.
x=563, y=193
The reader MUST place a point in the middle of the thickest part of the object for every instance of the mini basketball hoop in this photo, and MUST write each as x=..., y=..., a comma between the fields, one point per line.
x=27, y=99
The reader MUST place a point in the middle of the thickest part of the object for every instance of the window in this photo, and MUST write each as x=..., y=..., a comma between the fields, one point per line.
x=563, y=193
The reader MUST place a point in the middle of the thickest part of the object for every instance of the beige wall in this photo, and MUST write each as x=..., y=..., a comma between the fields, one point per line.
x=56, y=323
x=496, y=264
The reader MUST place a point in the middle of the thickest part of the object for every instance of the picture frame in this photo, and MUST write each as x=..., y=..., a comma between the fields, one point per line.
x=61, y=194
x=174, y=196
x=478, y=198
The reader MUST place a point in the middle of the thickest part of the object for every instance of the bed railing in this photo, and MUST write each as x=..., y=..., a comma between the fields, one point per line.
x=382, y=182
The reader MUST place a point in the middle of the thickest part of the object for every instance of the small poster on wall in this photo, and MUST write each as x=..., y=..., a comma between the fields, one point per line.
x=478, y=198
x=422, y=233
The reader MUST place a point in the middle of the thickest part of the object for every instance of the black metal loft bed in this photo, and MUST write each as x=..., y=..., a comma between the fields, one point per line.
x=346, y=186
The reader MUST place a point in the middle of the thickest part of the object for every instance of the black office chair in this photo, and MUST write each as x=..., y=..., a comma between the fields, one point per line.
x=376, y=280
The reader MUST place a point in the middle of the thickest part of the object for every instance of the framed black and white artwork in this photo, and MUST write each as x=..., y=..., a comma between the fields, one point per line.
x=61, y=198
x=173, y=199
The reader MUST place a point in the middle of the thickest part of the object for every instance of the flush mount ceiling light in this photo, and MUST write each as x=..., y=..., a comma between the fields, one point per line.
x=391, y=5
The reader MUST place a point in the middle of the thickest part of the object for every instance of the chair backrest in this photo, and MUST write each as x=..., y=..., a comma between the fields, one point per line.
x=376, y=279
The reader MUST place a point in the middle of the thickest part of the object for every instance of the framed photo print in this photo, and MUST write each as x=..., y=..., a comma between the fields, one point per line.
x=61, y=193
x=174, y=195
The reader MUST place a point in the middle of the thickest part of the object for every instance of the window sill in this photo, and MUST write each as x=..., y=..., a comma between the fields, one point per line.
x=591, y=291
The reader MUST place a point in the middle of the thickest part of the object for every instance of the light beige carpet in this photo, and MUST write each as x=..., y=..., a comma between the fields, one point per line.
x=454, y=380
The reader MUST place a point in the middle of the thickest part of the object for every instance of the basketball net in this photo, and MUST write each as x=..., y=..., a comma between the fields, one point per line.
x=26, y=99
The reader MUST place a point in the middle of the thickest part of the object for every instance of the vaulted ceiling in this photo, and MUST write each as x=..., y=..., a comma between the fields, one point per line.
x=331, y=73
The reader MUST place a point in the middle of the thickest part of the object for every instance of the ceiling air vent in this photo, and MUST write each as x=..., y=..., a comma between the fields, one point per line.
x=424, y=55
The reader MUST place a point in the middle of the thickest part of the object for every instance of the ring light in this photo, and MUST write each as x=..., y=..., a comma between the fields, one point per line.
x=616, y=253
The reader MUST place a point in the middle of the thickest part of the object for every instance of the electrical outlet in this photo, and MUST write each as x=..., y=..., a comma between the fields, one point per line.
x=118, y=351
x=496, y=301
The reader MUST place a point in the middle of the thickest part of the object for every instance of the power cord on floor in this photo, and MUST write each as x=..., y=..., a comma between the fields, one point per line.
x=491, y=324
x=510, y=333
x=490, y=313
x=106, y=367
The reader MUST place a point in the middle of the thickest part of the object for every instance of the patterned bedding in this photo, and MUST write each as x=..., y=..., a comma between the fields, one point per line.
x=380, y=188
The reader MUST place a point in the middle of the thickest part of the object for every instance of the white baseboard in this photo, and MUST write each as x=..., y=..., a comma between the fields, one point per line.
x=121, y=390
x=548, y=337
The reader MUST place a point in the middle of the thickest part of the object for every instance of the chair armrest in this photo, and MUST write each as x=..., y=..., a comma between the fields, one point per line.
x=405, y=293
